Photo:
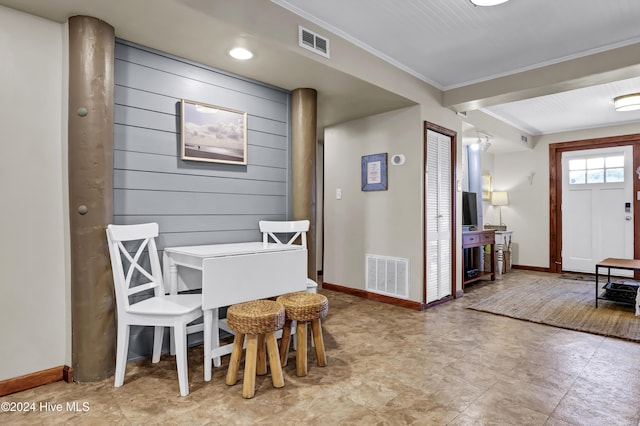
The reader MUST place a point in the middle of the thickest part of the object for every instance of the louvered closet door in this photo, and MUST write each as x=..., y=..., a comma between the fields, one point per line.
x=438, y=216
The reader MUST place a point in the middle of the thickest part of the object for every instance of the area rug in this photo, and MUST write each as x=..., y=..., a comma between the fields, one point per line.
x=566, y=304
x=578, y=277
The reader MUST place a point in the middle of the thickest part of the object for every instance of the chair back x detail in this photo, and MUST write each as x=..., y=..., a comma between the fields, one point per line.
x=123, y=276
x=279, y=231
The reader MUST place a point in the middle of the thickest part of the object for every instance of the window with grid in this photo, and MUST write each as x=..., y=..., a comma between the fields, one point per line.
x=592, y=170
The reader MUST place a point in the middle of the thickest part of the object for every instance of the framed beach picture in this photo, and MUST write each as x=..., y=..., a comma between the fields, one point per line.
x=374, y=172
x=213, y=133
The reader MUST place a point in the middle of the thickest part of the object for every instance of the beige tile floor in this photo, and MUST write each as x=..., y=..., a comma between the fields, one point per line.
x=387, y=366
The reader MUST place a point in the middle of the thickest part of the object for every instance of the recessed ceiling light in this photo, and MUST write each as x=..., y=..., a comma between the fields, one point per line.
x=241, y=53
x=627, y=102
x=487, y=2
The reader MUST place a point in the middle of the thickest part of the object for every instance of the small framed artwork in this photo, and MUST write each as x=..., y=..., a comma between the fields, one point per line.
x=486, y=187
x=374, y=172
x=213, y=133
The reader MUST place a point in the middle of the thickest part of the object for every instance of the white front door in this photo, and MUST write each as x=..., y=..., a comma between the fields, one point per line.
x=438, y=216
x=597, y=200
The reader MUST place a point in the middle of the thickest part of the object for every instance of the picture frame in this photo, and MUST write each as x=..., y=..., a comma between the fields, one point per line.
x=486, y=187
x=374, y=172
x=212, y=133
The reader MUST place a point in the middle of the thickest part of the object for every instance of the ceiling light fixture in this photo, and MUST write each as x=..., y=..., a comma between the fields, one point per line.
x=487, y=2
x=484, y=144
x=627, y=102
x=241, y=53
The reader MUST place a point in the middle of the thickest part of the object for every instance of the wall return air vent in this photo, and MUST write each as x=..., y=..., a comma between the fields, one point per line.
x=387, y=275
x=313, y=42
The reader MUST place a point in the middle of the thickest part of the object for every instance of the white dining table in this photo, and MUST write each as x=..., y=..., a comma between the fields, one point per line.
x=229, y=274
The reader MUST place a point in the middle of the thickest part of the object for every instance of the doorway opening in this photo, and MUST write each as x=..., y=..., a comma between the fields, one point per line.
x=556, y=152
x=439, y=235
x=597, y=218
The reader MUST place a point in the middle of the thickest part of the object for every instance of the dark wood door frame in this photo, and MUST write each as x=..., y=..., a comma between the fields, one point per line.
x=454, y=138
x=555, y=189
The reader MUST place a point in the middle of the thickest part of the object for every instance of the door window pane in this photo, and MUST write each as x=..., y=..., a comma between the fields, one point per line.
x=615, y=175
x=577, y=177
x=595, y=163
x=595, y=176
x=579, y=164
x=617, y=161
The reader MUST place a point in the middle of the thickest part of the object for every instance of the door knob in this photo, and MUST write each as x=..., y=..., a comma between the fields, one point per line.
x=628, y=218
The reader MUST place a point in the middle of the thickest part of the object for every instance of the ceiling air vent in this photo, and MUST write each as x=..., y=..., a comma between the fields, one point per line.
x=312, y=41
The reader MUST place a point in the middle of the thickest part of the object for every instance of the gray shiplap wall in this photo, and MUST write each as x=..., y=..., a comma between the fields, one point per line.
x=194, y=202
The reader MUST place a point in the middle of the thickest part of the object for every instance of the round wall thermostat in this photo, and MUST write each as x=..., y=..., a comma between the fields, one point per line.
x=398, y=159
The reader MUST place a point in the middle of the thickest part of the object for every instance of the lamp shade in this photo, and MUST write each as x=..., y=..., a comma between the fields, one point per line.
x=499, y=198
x=627, y=102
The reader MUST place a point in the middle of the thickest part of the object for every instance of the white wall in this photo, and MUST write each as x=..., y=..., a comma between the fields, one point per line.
x=387, y=223
x=34, y=304
x=527, y=214
x=528, y=211
x=578, y=135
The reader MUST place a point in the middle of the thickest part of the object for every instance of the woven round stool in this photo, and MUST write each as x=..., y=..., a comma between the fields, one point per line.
x=258, y=321
x=303, y=308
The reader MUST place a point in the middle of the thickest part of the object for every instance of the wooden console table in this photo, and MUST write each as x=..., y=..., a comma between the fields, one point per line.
x=621, y=293
x=471, y=240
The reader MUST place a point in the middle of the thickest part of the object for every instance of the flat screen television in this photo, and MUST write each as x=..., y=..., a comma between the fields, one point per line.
x=469, y=209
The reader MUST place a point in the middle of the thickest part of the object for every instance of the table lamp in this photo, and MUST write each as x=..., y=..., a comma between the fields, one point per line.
x=500, y=198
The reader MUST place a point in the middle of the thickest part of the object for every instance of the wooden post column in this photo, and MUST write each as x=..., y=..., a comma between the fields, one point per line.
x=303, y=166
x=91, y=65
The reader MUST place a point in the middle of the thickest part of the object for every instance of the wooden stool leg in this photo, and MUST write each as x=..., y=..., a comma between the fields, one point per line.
x=234, y=361
x=301, y=351
x=285, y=343
x=261, y=368
x=249, y=382
x=316, y=326
x=274, y=361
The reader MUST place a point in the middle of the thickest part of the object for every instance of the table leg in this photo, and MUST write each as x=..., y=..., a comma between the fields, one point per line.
x=208, y=323
x=596, y=286
x=170, y=276
x=215, y=336
x=493, y=261
x=211, y=337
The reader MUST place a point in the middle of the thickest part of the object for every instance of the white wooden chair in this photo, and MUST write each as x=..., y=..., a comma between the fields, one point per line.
x=287, y=232
x=132, y=275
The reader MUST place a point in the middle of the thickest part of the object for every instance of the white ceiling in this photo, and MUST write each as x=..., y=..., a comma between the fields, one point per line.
x=450, y=44
x=584, y=108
